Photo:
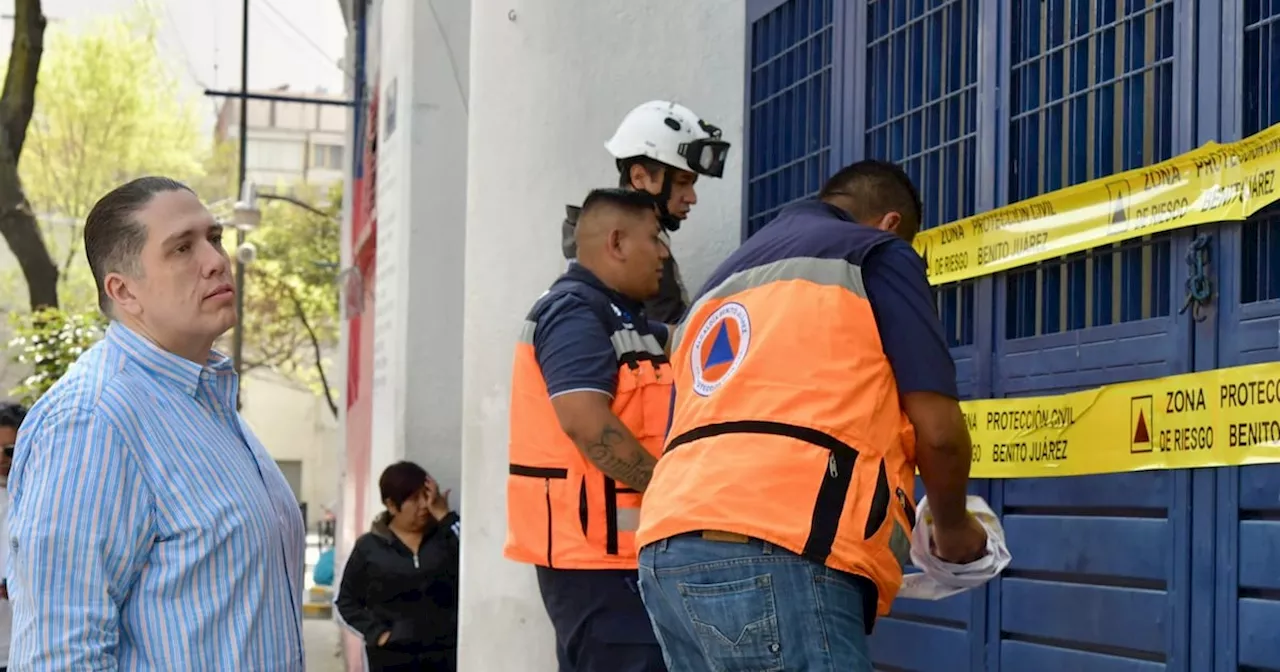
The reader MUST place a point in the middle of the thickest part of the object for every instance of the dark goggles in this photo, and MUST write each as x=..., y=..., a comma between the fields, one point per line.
x=706, y=156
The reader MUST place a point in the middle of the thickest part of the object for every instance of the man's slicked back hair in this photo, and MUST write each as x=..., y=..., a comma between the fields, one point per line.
x=632, y=202
x=875, y=188
x=113, y=239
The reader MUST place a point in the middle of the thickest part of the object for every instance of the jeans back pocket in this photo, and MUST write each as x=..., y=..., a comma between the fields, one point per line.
x=736, y=623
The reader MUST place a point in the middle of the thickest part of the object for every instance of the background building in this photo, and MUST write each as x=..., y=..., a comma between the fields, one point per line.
x=289, y=143
x=986, y=103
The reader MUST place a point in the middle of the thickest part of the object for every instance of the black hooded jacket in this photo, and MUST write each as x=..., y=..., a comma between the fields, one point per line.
x=670, y=303
x=385, y=588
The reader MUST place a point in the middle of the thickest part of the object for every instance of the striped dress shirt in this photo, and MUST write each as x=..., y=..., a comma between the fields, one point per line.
x=149, y=529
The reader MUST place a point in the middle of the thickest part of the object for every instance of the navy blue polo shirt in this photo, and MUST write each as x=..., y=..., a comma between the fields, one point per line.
x=892, y=273
x=573, y=346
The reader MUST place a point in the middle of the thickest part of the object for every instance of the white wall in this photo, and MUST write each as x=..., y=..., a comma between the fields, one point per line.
x=421, y=209
x=547, y=88
x=438, y=119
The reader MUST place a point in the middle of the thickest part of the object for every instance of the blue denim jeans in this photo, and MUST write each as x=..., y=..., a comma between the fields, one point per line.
x=725, y=606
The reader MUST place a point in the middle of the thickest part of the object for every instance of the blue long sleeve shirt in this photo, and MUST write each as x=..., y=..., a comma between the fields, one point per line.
x=149, y=529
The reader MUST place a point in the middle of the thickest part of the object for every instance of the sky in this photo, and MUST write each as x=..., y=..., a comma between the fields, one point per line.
x=294, y=42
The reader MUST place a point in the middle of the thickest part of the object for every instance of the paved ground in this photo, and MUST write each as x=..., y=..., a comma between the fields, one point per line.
x=321, y=637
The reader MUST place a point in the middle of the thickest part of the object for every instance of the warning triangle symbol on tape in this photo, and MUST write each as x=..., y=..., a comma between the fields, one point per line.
x=1140, y=434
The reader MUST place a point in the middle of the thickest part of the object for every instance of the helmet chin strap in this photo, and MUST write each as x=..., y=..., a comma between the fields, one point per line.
x=665, y=218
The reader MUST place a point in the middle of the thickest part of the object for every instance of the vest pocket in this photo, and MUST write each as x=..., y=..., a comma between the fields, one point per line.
x=879, y=504
x=583, y=507
x=532, y=489
x=908, y=507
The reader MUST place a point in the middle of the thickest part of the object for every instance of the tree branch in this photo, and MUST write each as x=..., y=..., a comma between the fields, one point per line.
x=315, y=346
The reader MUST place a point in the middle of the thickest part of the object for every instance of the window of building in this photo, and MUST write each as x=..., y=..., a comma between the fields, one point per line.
x=275, y=155
x=1091, y=95
x=922, y=92
x=1260, y=251
x=326, y=156
x=788, y=155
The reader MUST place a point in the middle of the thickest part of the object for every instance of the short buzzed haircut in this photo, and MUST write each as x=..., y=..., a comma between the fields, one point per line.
x=113, y=239
x=875, y=188
x=638, y=203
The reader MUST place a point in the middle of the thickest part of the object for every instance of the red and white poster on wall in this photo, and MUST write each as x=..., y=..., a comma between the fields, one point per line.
x=359, y=310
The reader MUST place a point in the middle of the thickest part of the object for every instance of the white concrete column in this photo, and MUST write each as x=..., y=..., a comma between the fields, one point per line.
x=437, y=192
x=549, y=82
x=421, y=70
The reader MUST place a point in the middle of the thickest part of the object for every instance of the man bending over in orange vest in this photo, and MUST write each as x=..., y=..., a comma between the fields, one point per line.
x=810, y=375
x=590, y=397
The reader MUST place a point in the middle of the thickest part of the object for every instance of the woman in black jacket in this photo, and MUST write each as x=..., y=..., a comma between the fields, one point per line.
x=400, y=585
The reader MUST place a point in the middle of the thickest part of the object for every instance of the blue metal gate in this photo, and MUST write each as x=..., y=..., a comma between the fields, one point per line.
x=987, y=103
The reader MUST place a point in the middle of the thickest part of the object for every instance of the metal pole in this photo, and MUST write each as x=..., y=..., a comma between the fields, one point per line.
x=335, y=102
x=237, y=347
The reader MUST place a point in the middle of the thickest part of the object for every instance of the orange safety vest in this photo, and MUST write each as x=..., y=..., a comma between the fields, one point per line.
x=787, y=425
x=562, y=511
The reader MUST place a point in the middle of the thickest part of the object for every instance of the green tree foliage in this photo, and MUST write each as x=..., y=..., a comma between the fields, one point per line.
x=49, y=341
x=291, y=321
x=105, y=113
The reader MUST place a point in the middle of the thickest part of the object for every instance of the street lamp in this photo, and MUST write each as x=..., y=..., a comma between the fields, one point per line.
x=245, y=217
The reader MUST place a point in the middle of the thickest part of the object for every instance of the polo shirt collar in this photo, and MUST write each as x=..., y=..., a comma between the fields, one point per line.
x=579, y=273
x=813, y=206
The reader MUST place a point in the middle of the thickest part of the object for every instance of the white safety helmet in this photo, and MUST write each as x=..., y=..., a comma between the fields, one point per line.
x=672, y=134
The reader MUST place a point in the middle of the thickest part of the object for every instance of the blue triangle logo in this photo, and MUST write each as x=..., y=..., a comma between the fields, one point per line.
x=721, y=352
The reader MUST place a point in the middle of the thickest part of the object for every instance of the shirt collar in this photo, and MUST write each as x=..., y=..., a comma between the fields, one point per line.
x=163, y=364
x=579, y=273
x=813, y=206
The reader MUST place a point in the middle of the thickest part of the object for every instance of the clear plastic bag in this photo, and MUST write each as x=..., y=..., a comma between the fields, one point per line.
x=939, y=579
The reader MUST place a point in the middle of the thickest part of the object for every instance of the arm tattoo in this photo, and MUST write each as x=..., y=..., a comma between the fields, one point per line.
x=620, y=456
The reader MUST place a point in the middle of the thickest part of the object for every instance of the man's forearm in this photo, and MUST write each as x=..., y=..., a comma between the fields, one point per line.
x=945, y=472
x=616, y=452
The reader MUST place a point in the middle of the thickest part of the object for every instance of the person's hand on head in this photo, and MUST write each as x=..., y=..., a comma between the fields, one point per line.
x=437, y=502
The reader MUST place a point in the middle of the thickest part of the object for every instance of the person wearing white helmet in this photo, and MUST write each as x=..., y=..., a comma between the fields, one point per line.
x=662, y=147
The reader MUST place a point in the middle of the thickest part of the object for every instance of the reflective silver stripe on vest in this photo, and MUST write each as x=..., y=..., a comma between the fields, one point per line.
x=831, y=272
x=526, y=332
x=627, y=341
x=628, y=519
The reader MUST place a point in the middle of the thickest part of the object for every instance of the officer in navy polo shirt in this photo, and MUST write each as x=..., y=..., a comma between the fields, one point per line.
x=591, y=390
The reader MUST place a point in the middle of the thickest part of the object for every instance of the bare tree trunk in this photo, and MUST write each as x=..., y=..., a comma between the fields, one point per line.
x=18, y=223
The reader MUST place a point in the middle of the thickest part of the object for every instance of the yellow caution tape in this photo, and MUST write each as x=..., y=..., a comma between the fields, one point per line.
x=1220, y=418
x=1215, y=183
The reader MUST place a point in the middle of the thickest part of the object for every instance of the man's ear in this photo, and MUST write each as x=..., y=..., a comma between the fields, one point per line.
x=643, y=180
x=616, y=237
x=120, y=290
x=890, y=222
x=636, y=175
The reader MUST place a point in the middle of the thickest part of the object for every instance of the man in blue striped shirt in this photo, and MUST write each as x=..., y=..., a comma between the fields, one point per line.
x=149, y=528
